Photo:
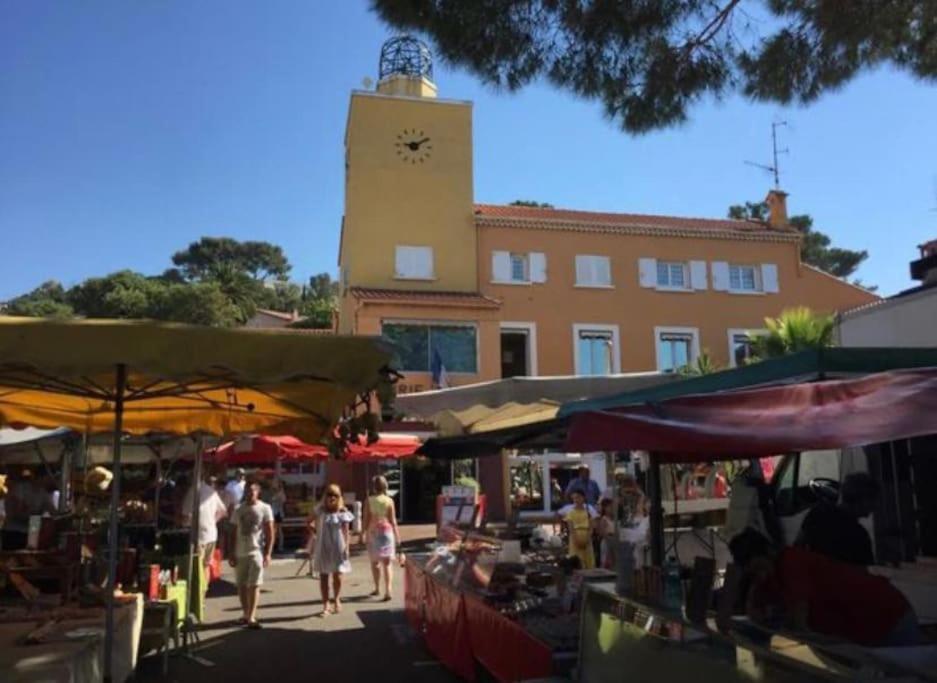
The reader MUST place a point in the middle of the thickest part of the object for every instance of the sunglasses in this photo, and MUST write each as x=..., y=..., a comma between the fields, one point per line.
x=332, y=495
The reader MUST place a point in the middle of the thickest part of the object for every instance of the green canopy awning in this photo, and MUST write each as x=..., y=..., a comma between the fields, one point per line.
x=806, y=366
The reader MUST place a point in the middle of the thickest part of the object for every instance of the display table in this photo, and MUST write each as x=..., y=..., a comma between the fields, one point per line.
x=74, y=651
x=460, y=630
x=623, y=637
x=39, y=565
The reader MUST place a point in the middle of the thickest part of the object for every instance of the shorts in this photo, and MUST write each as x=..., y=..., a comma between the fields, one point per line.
x=205, y=552
x=249, y=570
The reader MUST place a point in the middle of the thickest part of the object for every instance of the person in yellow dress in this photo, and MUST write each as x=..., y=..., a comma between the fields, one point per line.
x=580, y=518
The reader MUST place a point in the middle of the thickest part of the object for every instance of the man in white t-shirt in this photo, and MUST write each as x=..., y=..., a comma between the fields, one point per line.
x=253, y=546
x=234, y=490
x=211, y=510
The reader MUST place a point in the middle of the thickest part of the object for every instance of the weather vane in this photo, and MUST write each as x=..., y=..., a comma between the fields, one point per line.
x=774, y=168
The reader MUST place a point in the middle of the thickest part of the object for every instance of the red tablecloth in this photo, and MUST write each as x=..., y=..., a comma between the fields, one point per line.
x=502, y=645
x=461, y=629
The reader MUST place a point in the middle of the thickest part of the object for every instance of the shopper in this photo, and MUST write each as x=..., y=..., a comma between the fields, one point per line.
x=234, y=490
x=584, y=484
x=380, y=523
x=278, y=503
x=253, y=546
x=579, y=523
x=210, y=512
x=331, y=554
x=605, y=530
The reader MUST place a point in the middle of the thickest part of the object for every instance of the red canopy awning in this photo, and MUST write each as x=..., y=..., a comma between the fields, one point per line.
x=388, y=446
x=265, y=449
x=774, y=420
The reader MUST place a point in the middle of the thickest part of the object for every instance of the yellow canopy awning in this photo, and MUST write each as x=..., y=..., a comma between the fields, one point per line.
x=180, y=378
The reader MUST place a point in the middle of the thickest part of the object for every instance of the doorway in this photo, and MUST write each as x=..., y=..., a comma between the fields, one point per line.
x=517, y=351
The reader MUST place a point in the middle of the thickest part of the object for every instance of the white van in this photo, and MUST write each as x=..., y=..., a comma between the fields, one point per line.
x=903, y=527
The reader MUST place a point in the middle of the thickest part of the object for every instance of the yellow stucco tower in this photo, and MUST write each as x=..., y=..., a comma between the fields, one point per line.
x=408, y=222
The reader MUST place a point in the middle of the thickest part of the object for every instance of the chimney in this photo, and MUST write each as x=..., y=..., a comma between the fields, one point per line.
x=924, y=269
x=777, y=208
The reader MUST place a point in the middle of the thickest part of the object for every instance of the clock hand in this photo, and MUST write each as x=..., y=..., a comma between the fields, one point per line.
x=420, y=142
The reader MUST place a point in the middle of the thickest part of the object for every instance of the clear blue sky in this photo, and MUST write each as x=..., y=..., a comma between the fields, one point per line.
x=129, y=129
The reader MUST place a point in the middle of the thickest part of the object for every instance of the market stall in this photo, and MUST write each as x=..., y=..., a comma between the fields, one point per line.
x=478, y=601
x=675, y=614
x=123, y=377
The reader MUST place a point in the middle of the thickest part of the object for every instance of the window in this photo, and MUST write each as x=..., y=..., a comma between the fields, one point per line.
x=518, y=268
x=741, y=348
x=415, y=344
x=672, y=275
x=744, y=278
x=677, y=347
x=520, y=271
x=593, y=271
x=740, y=345
x=414, y=263
x=596, y=350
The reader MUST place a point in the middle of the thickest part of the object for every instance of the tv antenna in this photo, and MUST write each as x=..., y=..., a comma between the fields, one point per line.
x=774, y=168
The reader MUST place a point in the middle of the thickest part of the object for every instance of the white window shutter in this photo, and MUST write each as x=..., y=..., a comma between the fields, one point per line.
x=538, y=266
x=720, y=276
x=603, y=270
x=501, y=266
x=769, y=278
x=583, y=276
x=698, y=278
x=647, y=272
x=423, y=262
x=402, y=262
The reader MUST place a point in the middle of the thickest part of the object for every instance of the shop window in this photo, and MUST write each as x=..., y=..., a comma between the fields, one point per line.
x=596, y=351
x=527, y=485
x=415, y=345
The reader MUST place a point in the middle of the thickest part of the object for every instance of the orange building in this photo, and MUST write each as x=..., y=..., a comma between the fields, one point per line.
x=485, y=291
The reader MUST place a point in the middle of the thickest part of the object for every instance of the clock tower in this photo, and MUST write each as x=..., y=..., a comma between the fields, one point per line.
x=408, y=222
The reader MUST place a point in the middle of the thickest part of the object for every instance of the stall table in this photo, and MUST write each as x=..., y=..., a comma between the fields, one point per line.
x=645, y=642
x=460, y=629
x=74, y=651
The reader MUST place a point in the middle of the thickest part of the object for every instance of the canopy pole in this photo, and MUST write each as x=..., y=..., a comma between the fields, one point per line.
x=657, y=511
x=120, y=385
x=193, y=568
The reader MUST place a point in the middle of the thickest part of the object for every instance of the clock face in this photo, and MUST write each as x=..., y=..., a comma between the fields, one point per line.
x=413, y=146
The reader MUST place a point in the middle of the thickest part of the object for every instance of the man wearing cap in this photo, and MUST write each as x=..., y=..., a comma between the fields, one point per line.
x=585, y=485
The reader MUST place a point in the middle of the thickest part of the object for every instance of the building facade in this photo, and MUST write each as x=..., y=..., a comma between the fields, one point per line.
x=907, y=319
x=477, y=292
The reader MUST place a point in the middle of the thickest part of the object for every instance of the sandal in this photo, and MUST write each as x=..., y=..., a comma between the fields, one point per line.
x=338, y=605
x=387, y=598
x=254, y=625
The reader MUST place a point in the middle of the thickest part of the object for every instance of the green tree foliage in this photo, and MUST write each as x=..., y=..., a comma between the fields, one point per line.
x=815, y=248
x=648, y=61
x=703, y=365
x=46, y=301
x=528, y=202
x=216, y=281
x=203, y=259
x=796, y=329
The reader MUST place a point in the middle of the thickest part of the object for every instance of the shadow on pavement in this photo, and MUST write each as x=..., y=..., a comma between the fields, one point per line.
x=382, y=650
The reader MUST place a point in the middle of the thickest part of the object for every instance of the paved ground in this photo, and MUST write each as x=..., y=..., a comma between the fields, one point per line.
x=369, y=640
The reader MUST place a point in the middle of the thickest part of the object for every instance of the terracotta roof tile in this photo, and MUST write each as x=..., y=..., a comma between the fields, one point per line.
x=425, y=298
x=542, y=217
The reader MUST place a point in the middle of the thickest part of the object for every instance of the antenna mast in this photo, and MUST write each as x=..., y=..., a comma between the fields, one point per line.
x=774, y=169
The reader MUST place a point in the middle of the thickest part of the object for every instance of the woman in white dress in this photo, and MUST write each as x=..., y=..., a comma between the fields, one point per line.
x=331, y=555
